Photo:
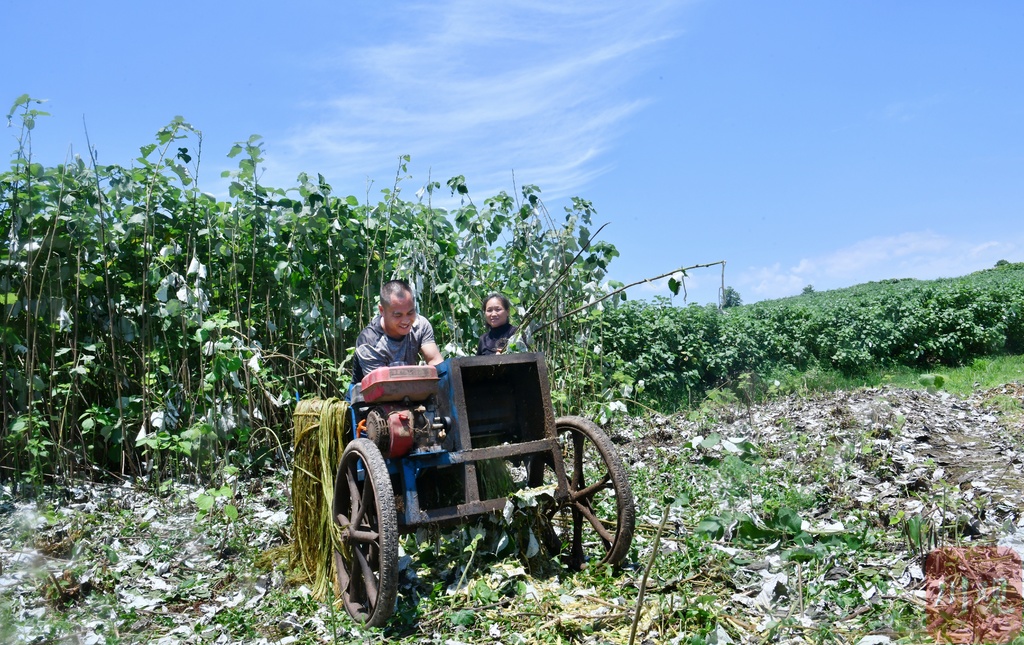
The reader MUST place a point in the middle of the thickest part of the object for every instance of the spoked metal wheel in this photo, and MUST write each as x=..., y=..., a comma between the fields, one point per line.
x=596, y=523
x=366, y=555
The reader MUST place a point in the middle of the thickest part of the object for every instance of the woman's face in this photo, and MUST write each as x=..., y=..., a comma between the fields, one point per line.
x=495, y=313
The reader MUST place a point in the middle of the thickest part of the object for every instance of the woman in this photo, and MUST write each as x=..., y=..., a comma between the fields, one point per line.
x=495, y=341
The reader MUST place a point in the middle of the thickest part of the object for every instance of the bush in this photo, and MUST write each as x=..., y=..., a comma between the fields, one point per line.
x=680, y=353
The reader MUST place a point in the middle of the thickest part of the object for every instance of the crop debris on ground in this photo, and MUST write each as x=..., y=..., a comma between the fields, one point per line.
x=804, y=519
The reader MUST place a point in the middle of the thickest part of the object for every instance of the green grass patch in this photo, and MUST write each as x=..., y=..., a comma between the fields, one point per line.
x=980, y=374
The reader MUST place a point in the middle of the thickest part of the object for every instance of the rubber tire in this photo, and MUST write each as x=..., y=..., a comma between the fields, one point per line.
x=379, y=554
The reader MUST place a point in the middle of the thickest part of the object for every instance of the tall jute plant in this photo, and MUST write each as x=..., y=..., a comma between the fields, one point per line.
x=150, y=328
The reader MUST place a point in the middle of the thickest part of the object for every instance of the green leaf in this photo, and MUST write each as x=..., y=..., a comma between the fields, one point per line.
x=749, y=530
x=803, y=554
x=463, y=618
x=204, y=502
x=710, y=527
x=788, y=519
x=711, y=441
x=482, y=592
x=173, y=308
x=673, y=286
x=231, y=512
x=18, y=102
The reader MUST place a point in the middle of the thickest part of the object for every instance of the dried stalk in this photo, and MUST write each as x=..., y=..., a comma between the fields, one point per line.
x=647, y=573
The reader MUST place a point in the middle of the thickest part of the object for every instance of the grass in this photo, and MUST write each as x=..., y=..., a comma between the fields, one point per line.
x=980, y=374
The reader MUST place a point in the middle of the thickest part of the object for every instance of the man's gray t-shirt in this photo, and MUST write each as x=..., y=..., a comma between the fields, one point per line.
x=376, y=349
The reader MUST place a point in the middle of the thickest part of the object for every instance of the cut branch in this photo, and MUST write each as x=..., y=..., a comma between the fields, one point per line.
x=628, y=286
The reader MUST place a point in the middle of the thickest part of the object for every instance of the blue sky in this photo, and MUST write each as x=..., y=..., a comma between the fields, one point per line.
x=803, y=142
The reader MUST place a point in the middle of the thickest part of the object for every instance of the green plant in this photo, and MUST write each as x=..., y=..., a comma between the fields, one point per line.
x=920, y=534
x=861, y=335
x=149, y=328
x=731, y=298
x=932, y=382
x=206, y=502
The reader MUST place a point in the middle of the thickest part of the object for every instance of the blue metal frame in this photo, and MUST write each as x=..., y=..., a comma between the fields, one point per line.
x=458, y=450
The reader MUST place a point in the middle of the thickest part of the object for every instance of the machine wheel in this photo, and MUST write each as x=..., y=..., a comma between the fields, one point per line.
x=596, y=523
x=366, y=555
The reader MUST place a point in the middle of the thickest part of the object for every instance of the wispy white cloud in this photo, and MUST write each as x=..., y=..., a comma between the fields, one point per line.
x=771, y=282
x=923, y=255
x=485, y=89
x=908, y=110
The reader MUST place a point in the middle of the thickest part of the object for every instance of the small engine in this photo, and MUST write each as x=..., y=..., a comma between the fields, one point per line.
x=403, y=417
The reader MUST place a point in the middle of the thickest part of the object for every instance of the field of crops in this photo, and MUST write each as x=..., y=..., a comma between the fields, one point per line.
x=147, y=324
x=680, y=353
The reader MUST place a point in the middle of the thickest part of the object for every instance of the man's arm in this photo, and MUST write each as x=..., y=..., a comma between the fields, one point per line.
x=431, y=353
x=371, y=353
x=428, y=346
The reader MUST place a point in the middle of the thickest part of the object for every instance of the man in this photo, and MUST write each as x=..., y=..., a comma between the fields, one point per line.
x=397, y=335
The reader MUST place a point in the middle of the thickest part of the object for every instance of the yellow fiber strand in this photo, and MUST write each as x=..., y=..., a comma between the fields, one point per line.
x=320, y=430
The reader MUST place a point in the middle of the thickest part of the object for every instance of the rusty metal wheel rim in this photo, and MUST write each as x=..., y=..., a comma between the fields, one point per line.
x=597, y=521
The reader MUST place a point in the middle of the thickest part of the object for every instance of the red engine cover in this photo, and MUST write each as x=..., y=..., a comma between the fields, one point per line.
x=385, y=384
x=392, y=427
x=400, y=424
